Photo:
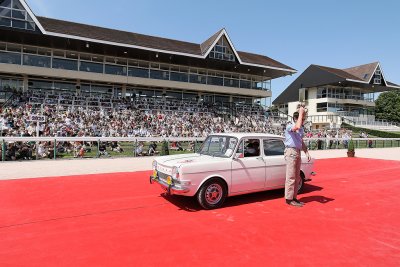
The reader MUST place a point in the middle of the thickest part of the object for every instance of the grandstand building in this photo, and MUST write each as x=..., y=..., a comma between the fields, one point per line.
x=67, y=63
x=333, y=95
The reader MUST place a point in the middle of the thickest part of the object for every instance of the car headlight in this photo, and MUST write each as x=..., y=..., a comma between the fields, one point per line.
x=175, y=173
x=154, y=165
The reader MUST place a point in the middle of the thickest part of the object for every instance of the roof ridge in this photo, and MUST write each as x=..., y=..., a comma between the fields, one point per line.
x=122, y=31
x=329, y=69
x=204, y=46
x=375, y=62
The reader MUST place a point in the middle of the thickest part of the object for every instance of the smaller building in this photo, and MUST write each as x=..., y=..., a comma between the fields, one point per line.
x=333, y=95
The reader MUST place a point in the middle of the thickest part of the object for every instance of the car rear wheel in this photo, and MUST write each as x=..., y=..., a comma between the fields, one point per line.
x=212, y=194
x=301, y=183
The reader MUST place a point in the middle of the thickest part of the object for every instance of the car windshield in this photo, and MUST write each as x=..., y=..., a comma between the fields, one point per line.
x=219, y=146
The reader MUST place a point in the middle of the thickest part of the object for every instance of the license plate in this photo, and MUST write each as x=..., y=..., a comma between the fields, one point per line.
x=154, y=173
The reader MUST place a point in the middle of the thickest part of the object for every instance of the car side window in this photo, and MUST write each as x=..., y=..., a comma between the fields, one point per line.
x=249, y=148
x=273, y=147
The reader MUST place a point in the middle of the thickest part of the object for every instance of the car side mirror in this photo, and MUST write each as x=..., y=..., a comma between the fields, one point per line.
x=238, y=156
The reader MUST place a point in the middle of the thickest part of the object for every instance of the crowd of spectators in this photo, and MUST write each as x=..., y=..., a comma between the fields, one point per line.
x=144, y=117
x=140, y=119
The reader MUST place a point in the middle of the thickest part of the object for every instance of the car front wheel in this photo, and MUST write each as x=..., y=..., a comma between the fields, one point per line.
x=212, y=194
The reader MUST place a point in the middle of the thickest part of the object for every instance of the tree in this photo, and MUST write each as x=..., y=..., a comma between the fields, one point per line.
x=387, y=106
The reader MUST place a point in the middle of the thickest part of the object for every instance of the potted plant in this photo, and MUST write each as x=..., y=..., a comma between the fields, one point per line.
x=350, y=149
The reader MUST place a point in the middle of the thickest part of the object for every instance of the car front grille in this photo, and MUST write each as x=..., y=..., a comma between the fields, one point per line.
x=162, y=175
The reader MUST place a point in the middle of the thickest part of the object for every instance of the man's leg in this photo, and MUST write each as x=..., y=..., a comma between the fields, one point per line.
x=292, y=158
x=290, y=173
x=297, y=180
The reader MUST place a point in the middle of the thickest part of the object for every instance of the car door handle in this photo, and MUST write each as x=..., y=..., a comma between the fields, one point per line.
x=260, y=158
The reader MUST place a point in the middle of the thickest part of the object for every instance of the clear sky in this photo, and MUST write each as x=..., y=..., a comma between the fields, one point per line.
x=334, y=33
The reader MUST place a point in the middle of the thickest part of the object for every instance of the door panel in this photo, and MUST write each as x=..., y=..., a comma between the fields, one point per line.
x=248, y=173
x=275, y=163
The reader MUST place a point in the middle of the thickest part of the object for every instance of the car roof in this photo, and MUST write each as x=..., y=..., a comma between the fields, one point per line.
x=242, y=135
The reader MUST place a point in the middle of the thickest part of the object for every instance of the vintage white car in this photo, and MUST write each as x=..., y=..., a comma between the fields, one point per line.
x=227, y=165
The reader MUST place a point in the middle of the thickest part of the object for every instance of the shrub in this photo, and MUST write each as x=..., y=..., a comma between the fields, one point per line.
x=376, y=133
x=351, y=146
x=164, y=149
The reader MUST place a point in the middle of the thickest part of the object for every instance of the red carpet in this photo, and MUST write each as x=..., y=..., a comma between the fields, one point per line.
x=351, y=218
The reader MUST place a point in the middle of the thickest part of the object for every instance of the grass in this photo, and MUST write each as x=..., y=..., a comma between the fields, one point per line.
x=128, y=150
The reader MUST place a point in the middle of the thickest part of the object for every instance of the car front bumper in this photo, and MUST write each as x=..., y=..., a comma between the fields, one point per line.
x=311, y=174
x=171, y=189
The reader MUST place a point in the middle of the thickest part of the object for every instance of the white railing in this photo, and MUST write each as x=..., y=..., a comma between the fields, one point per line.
x=101, y=139
x=151, y=139
x=312, y=143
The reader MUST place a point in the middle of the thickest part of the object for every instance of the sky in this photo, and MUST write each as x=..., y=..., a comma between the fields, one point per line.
x=333, y=33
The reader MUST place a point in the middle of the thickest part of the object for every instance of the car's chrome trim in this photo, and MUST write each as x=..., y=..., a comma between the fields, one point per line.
x=171, y=189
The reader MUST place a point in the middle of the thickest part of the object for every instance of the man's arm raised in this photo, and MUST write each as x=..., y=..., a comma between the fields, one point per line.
x=299, y=121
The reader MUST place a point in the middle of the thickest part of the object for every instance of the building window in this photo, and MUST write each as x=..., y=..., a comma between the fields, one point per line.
x=10, y=58
x=37, y=61
x=322, y=107
x=138, y=72
x=115, y=70
x=65, y=64
x=378, y=76
x=222, y=51
x=274, y=148
x=13, y=14
x=91, y=67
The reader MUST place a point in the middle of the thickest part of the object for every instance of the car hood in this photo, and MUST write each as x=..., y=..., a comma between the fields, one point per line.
x=178, y=160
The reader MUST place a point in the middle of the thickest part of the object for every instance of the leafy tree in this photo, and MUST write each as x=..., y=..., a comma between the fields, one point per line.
x=388, y=106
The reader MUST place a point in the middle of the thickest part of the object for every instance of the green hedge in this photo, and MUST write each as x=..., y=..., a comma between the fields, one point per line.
x=376, y=133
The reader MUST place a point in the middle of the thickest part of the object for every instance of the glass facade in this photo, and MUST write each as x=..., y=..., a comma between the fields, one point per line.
x=159, y=74
x=115, y=70
x=91, y=67
x=179, y=77
x=65, y=64
x=10, y=58
x=37, y=61
x=344, y=109
x=69, y=60
x=138, y=72
x=344, y=93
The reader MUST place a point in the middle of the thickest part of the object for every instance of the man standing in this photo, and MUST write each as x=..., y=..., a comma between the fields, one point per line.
x=294, y=144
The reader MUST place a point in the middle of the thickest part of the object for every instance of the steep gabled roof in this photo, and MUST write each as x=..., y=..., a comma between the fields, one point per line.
x=205, y=46
x=316, y=75
x=117, y=36
x=338, y=72
x=363, y=72
x=313, y=76
x=91, y=33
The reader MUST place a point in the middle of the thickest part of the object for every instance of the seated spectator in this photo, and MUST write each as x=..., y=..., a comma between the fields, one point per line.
x=42, y=150
x=139, y=149
x=103, y=150
x=153, y=149
x=116, y=147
